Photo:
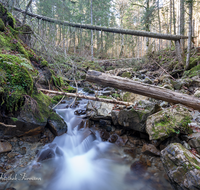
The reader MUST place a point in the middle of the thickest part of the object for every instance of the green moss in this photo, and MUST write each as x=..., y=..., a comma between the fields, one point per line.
x=44, y=63
x=43, y=103
x=56, y=99
x=88, y=90
x=69, y=89
x=192, y=72
x=11, y=20
x=126, y=96
x=14, y=119
x=16, y=83
x=116, y=95
x=2, y=26
x=127, y=75
x=105, y=97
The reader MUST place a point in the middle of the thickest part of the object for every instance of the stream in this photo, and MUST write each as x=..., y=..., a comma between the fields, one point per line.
x=80, y=160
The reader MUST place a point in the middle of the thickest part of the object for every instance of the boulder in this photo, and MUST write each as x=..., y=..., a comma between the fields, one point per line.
x=5, y=147
x=194, y=141
x=168, y=122
x=56, y=124
x=182, y=167
x=131, y=97
x=150, y=149
x=197, y=94
x=99, y=110
x=136, y=117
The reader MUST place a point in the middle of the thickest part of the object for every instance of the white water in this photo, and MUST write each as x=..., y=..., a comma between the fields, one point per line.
x=86, y=163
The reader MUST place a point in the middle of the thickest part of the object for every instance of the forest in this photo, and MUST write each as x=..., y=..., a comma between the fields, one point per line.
x=99, y=95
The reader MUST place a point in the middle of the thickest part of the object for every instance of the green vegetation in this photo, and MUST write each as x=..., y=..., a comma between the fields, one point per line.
x=127, y=75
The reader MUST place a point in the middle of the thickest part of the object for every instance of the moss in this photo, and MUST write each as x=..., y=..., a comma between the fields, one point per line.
x=192, y=72
x=69, y=89
x=105, y=97
x=44, y=63
x=43, y=103
x=14, y=119
x=184, y=125
x=88, y=90
x=56, y=99
x=11, y=20
x=126, y=96
x=116, y=95
x=16, y=83
x=127, y=75
x=2, y=26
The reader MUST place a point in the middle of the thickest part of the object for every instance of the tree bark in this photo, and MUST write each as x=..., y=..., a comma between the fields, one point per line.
x=107, y=29
x=190, y=4
x=143, y=89
x=25, y=12
x=113, y=101
x=182, y=20
x=92, y=54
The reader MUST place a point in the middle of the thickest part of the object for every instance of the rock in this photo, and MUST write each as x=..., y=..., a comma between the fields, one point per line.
x=147, y=81
x=177, y=84
x=5, y=147
x=150, y=149
x=114, y=116
x=182, y=167
x=103, y=123
x=135, y=118
x=194, y=141
x=197, y=94
x=106, y=93
x=113, y=138
x=143, y=71
x=46, y=154
x=168, y=122
x=56, y=124
x=99, y=110
x=168, y=86
x=12, y=154
x=132, y=152
x=104, y=134
x=25, y=125
x=131, y=97
x=139, y=168
x=121, y=141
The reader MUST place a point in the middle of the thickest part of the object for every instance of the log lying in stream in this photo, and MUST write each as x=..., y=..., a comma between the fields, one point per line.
x=143, y=89
x=87, y=97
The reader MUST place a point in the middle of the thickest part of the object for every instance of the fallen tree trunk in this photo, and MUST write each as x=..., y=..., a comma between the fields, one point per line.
x=106, y=29
x=113, y=101
x=143, y=89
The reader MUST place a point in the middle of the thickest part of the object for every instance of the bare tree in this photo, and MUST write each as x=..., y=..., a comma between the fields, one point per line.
x=190, y=5
x=92, y=56
x=182, y=20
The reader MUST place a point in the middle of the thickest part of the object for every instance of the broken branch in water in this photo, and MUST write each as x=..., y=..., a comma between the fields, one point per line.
x=7, y=125
x=87, y=97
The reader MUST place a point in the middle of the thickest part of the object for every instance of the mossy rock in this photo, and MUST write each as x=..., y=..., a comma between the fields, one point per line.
x=168, y=122
x=195, y=71
x=182, y=167
x=127, y=75
x=88, y=90
x=16, y=82
x=2, y=26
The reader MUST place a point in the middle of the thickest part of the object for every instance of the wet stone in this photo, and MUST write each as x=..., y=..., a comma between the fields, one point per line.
x=21, y=143
x=122, y=140
x=46, y=154
x=150, y=149
x=132, y=152
x=5, y=147
x=113, y=138
x=104, y=134
x=139, y=168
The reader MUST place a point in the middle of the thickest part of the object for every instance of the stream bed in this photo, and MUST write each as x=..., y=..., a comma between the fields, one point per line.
x=80, y=160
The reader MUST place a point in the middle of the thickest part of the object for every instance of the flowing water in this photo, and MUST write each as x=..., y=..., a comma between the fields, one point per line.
x=81, y=161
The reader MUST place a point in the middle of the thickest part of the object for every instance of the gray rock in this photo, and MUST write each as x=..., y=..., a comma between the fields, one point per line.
x=168, y=122
x=56, y=124
x=194, y=141
x=182, y=167
x=99, y=110
x=197, y=94
x=5, y=147
x=136, y=118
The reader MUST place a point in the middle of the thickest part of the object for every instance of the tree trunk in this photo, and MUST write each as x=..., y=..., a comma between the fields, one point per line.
x=190, y=4
x=174, y=16
x=143, y=89
x=159, y=23
x=24, y=20
x=108, y=29
x=182, y=21
x=92, y=54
